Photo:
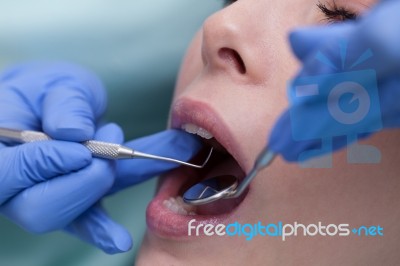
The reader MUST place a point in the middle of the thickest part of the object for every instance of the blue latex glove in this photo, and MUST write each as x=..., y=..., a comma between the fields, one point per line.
x=171, y=143
x=55, y=185
x=367, y=51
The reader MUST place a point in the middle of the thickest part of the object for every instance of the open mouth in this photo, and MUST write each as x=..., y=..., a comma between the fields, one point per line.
x=220, y=163
x=167, y=214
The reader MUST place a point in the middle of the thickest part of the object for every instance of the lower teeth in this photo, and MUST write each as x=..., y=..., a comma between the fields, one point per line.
x=177, y=205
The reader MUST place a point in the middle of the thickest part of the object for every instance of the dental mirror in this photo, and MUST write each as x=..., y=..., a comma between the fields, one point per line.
x=210, y=190
x=225, y=186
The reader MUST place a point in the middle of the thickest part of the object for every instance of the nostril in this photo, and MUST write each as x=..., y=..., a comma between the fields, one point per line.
x=233, y=58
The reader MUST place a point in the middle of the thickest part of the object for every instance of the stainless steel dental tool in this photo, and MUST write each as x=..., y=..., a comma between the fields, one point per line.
x=225, y=186
x=99, y=149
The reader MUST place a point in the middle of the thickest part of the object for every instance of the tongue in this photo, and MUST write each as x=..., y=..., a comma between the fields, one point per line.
x=226, y=167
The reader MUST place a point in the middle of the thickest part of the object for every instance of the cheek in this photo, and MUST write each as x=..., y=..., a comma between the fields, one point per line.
x=259, y=107
x=191, y=65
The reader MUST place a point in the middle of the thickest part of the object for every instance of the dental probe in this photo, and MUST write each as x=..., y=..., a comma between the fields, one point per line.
x=99, y=149
x=225, y=186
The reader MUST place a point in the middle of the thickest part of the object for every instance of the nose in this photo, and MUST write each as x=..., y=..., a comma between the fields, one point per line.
x=226, y=46
x=221, y=46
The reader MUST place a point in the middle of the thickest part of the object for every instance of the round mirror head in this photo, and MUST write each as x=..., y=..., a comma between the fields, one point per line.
x=210, y=190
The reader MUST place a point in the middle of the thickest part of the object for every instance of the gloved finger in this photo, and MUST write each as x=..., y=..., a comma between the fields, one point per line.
x=26, y=165
x=306, y=41
x=379, y=31
x=72, y=104
x=97, y=228
x=64, y=198
x=171, y=143
x=389, y=93
x=110, y=133
x=68, y=115
x=14, y=111
x=282, y=141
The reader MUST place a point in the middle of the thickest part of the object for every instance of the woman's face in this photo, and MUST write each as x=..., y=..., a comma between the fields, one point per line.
x=233, y=84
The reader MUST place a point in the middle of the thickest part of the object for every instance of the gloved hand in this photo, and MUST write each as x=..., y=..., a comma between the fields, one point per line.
x=170, y=143
x=55, y=185
x=47, y=185
x=366, y=52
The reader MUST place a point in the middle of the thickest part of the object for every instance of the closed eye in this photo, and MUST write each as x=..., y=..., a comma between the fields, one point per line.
x=334, y=13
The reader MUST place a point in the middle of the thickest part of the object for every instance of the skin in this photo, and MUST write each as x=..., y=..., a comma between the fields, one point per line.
x=346, y=193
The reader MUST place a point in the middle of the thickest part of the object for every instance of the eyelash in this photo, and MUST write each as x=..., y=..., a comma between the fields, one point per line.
x=332, y=13
x=335, y=13
x=228, y=2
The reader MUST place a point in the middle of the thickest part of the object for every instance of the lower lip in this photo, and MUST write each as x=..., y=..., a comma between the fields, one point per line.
x=166, y=224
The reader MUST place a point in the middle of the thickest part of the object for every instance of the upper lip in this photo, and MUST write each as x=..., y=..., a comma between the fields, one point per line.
x=186, y=110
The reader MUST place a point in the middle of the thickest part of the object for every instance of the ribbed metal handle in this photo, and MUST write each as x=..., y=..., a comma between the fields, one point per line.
x=32, y=136
x=97, y=148
x=103, y=149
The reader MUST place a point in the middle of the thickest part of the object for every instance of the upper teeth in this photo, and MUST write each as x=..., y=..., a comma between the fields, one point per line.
x=194, y=129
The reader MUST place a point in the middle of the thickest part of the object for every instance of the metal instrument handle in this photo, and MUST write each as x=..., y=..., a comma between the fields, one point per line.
x=97, y=148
